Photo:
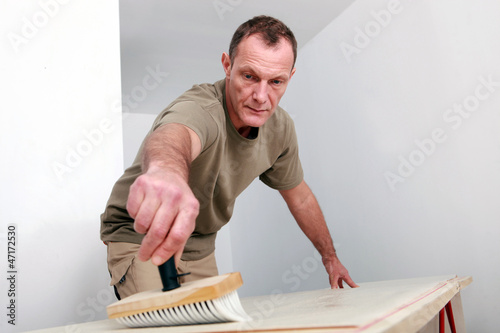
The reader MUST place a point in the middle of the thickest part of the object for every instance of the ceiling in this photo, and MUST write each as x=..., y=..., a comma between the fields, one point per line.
x=184, y=40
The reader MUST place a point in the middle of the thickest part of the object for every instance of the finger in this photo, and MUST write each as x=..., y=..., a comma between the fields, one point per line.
x=334, y=281
x=157, y=232
x=341, y=284
x=168, y=247
x=350, y=282
x=181, y=230
x=146, y=213
x=135, y=198
x=172, y=245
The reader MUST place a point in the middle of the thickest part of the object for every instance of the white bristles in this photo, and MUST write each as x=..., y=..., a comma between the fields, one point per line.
x=222, y=309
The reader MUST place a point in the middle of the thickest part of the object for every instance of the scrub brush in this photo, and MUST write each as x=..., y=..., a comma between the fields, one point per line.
x=209, y=300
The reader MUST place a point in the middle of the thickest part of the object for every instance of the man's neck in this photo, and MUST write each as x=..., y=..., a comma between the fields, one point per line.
x=245, y=131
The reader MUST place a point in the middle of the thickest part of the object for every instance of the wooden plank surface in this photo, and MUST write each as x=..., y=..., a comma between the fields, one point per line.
x=385, y=306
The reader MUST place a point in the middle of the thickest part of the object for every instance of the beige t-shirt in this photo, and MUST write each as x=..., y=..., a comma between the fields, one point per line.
x=227, y=164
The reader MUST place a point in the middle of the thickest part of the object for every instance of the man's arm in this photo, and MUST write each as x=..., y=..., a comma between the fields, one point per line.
x=160, y=200
x=306, y=211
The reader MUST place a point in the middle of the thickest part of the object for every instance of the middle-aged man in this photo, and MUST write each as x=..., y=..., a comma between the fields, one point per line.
x=204, y=149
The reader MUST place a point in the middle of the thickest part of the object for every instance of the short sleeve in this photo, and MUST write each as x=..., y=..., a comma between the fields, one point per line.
x=191, y=115
x=286, y=172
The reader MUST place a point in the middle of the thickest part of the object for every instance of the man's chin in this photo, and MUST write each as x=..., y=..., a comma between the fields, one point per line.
x=255, y=123
x=257, y=119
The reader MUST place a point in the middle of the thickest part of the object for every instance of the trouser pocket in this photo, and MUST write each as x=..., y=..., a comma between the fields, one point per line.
x=129, y=275
x=120, y=259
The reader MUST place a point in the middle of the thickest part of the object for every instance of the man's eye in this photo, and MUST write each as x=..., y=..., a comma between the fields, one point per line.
x=248, y=76
x=276, y=82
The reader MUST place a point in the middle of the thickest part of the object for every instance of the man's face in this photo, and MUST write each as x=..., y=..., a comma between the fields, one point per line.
x=256, y=81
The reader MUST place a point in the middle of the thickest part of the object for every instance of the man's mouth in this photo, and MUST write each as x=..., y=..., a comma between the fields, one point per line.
x=257, y=110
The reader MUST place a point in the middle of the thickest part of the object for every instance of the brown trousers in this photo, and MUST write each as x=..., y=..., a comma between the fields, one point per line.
x=129, y=275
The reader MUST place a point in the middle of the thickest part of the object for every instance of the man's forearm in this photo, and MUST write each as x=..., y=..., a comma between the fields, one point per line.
x=307, y=212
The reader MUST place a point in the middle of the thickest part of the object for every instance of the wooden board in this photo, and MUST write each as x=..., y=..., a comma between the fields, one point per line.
x=401, y=305
x=189, y=293
x=385, y=306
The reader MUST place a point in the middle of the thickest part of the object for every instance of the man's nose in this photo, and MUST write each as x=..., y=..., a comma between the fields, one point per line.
x=260, y=92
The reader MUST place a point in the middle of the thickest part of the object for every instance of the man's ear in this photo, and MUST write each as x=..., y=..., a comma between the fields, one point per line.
x=293, y=72
x=226, y=64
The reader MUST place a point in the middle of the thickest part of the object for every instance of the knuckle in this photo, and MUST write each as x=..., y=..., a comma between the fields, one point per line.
x=176, y=192
x=157, y=233
x=177, y=237
x=167, y=189
x=139, y=182
x=140, y=226
x=193, y=205
x=169, y=193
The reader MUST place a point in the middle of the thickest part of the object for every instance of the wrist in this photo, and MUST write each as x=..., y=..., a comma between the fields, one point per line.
x=326, y=249
x=166, y=169
x=328, y=254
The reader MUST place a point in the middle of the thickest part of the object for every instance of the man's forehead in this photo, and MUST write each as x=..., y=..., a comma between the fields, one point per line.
x=255, y=49
x=260, y=39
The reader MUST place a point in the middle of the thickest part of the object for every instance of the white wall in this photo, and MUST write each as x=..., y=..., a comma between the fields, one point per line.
x=61, y=142
x=358, y=115
x=362, y=105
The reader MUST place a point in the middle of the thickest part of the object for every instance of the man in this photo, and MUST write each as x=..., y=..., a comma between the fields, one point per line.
x=204, y=149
